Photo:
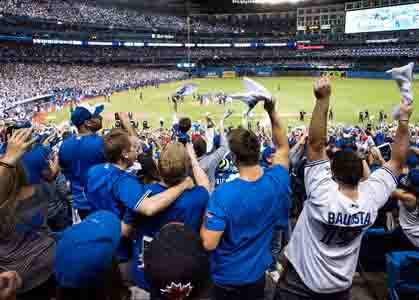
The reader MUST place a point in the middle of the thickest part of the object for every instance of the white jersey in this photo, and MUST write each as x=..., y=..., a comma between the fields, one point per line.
x=409, y=221
x=324, y=246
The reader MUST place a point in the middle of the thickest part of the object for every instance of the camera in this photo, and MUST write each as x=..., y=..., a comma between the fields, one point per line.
x=117, y=121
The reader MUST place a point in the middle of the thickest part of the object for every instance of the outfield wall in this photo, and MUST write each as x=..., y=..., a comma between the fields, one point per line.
x=267, y=71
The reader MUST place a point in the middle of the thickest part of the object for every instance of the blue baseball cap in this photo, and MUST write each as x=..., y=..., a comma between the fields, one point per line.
x=413, y=180
x=412, y=161
x=35, y=161
x=267, y=152
x=85, y=112
x=85, y=251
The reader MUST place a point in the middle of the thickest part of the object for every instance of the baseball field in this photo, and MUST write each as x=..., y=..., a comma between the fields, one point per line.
x=349, y=97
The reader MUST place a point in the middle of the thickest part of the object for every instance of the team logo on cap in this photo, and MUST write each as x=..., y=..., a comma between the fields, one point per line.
x=177, y=291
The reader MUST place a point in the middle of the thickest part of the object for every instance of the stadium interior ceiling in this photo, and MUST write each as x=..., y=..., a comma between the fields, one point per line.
x=191, y=7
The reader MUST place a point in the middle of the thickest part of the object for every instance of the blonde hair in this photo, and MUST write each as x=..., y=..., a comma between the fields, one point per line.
x=173, y=163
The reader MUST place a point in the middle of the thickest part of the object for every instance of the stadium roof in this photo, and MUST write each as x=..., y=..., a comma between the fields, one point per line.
x=184, y=7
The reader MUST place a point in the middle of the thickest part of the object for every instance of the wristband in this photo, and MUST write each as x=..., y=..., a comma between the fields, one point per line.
x=403, y=120
x=6, y=165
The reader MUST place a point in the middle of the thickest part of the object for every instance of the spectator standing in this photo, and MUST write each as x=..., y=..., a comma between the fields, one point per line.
x=77, y=154
x=209, y=161
x=240, y=219
x=324, y=247
x=188, y=208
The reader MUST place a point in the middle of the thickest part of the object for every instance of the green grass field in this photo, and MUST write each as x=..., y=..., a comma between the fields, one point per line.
x=349, y=96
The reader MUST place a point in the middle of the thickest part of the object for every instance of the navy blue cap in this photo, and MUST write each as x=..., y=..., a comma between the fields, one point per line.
x=412, y=161
x=85, y=112
x=35, y=161
x=413, y=180
x=267, y=152
x=85, y=251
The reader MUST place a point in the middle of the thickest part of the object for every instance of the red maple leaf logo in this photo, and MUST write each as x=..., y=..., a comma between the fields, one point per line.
x=177, y=291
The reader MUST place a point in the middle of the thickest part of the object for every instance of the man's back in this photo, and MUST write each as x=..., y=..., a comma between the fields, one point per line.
x=76, y=156
x=111, y=188
x=247, y=213
x=325, y=244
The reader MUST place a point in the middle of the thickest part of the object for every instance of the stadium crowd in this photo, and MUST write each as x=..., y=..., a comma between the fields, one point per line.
x=19, y=82
x=194, y=210
x=89, y=12
x=10, y=53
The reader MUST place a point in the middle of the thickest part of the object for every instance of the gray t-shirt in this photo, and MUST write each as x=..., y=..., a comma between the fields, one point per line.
x=209, y=162
x=325, y=244
x=409, y=221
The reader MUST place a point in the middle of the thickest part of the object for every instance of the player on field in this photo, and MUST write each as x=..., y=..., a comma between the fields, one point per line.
x=323, y=251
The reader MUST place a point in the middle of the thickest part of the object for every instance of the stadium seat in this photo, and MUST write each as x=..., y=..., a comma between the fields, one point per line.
x=376, y=243
x=403, y=275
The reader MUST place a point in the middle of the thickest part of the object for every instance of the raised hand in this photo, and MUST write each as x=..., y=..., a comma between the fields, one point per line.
x=123, y=116
x=10, y=282
x=269, y=105
x=405, y=111
x=191, y=151
x=54, y=165
x=17, y=145
x=322, y=88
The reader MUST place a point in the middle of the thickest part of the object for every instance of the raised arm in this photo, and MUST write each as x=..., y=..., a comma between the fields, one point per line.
x=408, y=199
x=279, y=135
x=316, y=149
x=17, y=145
x=151, y=206
x=200, y=177
x=126, y=123
x=400, y=148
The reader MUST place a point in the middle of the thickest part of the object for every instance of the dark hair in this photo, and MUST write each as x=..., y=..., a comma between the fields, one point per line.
x=149, y=172
x=245, y=146
x=200, y=146
x=115, y=142
x=347, y=168
x=184, y=125
x=66, y=135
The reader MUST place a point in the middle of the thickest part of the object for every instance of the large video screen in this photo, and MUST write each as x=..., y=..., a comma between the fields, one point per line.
x=401, y=17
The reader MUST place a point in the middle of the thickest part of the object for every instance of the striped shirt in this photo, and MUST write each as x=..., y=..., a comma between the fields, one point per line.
x=24, y=248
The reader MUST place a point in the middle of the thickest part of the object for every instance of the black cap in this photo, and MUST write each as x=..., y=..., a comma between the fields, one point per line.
x=176, y=263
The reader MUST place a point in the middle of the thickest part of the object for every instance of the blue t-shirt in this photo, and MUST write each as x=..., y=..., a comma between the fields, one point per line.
x=76, y=156
x=188, y=209
x=247, y=212
x=35, y=161
x=113, y=189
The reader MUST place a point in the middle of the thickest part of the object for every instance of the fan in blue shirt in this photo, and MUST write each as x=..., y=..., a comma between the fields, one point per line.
x=242, y=214
x=110, y=187
x=189, y=207
x=78, y=154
